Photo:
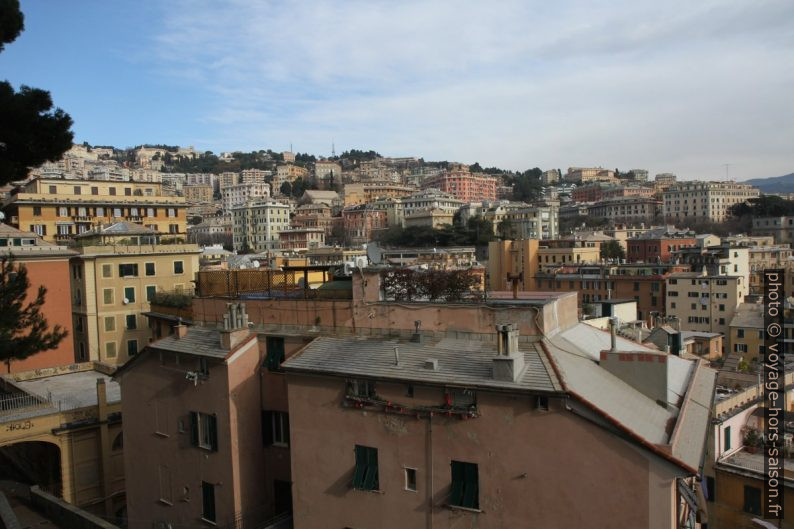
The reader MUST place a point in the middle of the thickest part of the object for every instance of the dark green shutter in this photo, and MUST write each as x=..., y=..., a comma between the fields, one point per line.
x=371, y=478
x=267, y=428
x=208, y=501
x=194, y=440
x=213, y=431
x=471, y=489
x=275, y=352
x=361, y=467
x=458, y=478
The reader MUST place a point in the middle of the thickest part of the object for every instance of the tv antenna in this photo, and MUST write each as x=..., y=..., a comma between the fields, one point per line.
x=727, y=170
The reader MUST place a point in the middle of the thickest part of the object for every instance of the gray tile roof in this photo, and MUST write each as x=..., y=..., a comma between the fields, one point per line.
x=199, y=341
x=460, y=362
x=119, y=228
x=693, y=422
x=748, y=315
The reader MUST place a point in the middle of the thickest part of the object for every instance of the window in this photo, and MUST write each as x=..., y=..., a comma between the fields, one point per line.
x=179, y=267
x=361, y=388
x=722, y=308
x=465, y=485
x=110, y=323
x=128, y=270
x=100, y=211
x=53, y=190
x=77, y=190
x=112, y=191
x=365, y=476
x=711, y=490
x=204, y=430
x=110, y=349
x=275, y=352
x=740, y=333
x=275, y=428
x=171, y=212
x=410, y=479
x=542, y=403
x=740, y=348
x=127, y=191
x=208, y=501
x=107, y=270
x=726, y=436
x=752, y=500
x=37, y=211
x=129, y=294
x=131, y=322
x=107, y=296
x=94, y=190
x=132, y=347
x=150, y=292
x=149, y=269
x=672, y=304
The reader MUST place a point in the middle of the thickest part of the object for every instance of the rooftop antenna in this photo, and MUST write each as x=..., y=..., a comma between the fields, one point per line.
x=333, y=149
x=290, y=146
x=727, y=171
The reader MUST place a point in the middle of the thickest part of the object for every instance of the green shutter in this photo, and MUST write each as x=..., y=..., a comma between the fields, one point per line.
x=371, y=478
x=361, y=467
x=458, y=477
x=471, y=489
x=194, y=440
x=275, y=352
x=213, y=431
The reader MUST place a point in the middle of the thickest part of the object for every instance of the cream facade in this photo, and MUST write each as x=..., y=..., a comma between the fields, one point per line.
x=705, y=200
x=703, y=302
x=256, y=225
x=239, y=194
x=115, y=275
x=197, y=193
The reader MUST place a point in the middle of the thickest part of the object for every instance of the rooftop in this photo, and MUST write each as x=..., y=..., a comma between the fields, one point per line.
x=745, y=463
x=199, y=341
x=460, y=362
x=748, y=315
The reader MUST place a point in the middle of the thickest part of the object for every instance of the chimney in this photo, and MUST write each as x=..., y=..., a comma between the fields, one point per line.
x=416, y=337
x=613, y=333
x=508, y=364
x=180, y=330
x=235, y=326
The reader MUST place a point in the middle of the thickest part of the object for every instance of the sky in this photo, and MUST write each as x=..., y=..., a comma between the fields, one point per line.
x=674, y=86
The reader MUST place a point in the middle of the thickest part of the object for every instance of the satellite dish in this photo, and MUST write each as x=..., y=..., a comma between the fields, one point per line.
x=125, y=301
x=255, y=264
x=373, y=253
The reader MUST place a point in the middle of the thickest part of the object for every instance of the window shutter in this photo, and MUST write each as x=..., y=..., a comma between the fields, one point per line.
x=471, y=490
x=213, y=431
x=361, y=467
x=267, y=428
x=371, y=479
x=194, y=428
x=286, y=427
x=458, y=476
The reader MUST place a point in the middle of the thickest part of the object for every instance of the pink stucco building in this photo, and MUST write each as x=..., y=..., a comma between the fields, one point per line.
x=463, y=185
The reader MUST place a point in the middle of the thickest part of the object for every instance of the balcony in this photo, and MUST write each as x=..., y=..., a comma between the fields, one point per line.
x=82, y=218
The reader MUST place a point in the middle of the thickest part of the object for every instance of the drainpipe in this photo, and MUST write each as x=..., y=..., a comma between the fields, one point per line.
x=429, y=458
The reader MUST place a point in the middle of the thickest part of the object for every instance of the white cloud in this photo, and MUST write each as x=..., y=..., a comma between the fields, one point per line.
x=680, y=86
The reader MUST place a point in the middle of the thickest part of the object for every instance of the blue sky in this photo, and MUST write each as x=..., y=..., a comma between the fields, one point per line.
x=675, y=86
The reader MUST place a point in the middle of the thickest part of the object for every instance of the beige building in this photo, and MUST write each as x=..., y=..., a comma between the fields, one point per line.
x=781, y=228
x=567, y=253
x=626, y=209
x=237, y=195
x=430, y=218
x=253, y=176
x=327, y=173
x=705, y=200
x=746, y=337
x=256, y=225
x=301, y=239
x=582, y=175
x=61, y=428
x=197, y=193
x=118, y=271
x=525, y=222
x=364, y=193
x=510, y=261
x=59, y=209
x=704, y=302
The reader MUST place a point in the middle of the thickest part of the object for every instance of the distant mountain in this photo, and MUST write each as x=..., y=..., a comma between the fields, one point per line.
x=776, y=184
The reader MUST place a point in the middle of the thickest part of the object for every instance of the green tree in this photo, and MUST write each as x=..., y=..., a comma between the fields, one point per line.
x=286, y=189
x=31, y=131
x=23, y=328
x=612, y=250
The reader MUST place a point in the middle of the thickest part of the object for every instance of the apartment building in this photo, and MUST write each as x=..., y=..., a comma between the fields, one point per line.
x=239, y=194
x=301, y=239
x=526, y=222
x=288, y=172
x=256, y=225
x=463, y=185
x=718, y=260
x=746, y=337
x=705, y=200
x=550, y=177
x=658, y=244
x=556, y=253
x=704, y=302
x=210, y=230
x=360, y=222
x=253, y=176
x=644, y=283
x=47, y=266
x=781, y=228
x=59, y=209
x=512, y=264
x=428, y=436
x=327, y=173
x=315, y=216
x=583, y=175
x=228, y=179
x=429, y=218
x=596, y=191
x=430, y=199
x=626, y=209
x=118, y=270
x=363, y=193
x=198, y=193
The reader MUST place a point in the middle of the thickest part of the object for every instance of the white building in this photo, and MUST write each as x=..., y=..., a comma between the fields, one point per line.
x=239, y=194
x=256, y=225
x=430, y=199
x=705, y=200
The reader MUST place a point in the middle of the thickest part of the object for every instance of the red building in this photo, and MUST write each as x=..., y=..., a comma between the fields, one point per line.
x=47, y=265
x=656, y=246
x=360, y=221
x=465, y=186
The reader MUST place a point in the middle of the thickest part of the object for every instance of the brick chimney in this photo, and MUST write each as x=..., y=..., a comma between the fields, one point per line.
x=235, y=326
x=508, y=364
x=180, y=329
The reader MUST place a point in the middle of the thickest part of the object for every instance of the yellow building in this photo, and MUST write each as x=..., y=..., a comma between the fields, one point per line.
x=364, y=193
x=512, y=259
x=61, y=428
x=119, y=269
x=197, y=194
x=429, y=218
x=57, y=209
x=575, y=253
x=703, y=302
x=747, y=331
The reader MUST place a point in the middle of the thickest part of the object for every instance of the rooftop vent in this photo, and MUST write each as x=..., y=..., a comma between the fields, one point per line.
x=508, y=364
x=431, y=364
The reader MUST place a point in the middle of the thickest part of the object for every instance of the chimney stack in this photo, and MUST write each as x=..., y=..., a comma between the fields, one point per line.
x=508, y=364
x=235, y=326
x=613, y=332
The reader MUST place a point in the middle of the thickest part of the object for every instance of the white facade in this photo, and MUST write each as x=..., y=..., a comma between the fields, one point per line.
x=239, y=194
x=430, y=199
x=705, y=200
x=256, y=225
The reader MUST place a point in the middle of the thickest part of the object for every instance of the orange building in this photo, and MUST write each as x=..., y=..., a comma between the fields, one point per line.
x=465, y=186
x=48, y=266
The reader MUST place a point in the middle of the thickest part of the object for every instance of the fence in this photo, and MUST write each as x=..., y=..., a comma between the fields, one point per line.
x=253, y=284
x=11, y=404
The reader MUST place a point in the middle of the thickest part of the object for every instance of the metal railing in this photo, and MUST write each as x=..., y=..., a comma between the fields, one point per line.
x=12, y=404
